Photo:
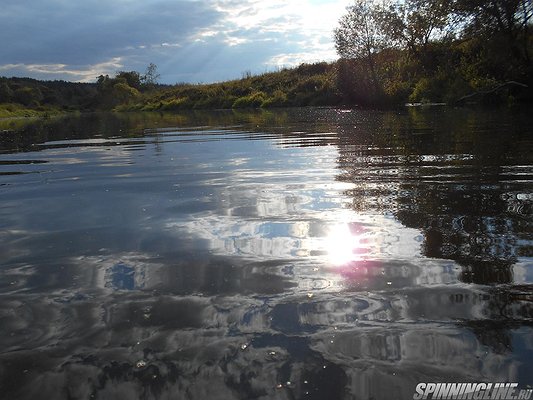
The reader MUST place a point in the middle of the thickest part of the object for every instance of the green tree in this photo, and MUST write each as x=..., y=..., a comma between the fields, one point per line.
x=123, y=93
x=510, y=19
x=131, y=78
x=123, y=88
x=412, y=24
x=6, y=94
x=103, y=82
x=360, y=36
x=28, y=96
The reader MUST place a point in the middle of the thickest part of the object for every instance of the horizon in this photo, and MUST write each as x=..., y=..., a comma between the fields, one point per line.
x=189, y=41
x=242, y=75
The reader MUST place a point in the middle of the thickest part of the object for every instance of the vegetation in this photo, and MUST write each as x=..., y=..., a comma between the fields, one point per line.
x=391, y=52
x=438, y=51
x=309, y=84
x=14, y=110
x=26, y=97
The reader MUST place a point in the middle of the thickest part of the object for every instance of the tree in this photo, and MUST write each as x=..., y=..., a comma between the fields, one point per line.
x=412, y=24
x=123, y=93
x=28, y=96
x=509, y=18
x=359, y=35
x=131, y=78
x=151, y=76
x=6, y=94
x=103, y=82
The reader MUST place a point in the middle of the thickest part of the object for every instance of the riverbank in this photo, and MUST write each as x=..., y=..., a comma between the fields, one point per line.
x=340, y=83
x=13, y=110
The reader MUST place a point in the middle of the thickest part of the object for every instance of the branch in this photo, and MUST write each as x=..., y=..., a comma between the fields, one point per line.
x=495, y=89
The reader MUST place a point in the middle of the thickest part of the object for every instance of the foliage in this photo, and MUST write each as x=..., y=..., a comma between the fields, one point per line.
x=130, y=78
x=124, y=93
x=253, y=100
x=278, y=99
x=52, y=95
x=15, y=110
x=360, y=36
x=307, y=84
x=119, y=90
x=28, y=96
x=6, y=94
x=415, y=50
x=412, y=24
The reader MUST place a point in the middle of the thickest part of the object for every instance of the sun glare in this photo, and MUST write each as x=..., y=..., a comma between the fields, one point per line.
x=340, y=244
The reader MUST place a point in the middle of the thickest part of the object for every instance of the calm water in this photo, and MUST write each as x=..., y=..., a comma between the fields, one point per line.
x=314, y=253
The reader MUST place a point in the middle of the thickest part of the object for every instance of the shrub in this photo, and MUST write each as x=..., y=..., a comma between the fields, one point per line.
x=253, y=100
x=423, y=91
x=175, y=104
x=278, y=99
x=28, y=96
x=6, y=94
x=123, y=93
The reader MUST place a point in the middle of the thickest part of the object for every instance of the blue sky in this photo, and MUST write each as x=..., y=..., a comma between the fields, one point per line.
x=189, y=40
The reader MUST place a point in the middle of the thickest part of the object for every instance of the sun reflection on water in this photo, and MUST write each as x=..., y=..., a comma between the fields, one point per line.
x=342, y=245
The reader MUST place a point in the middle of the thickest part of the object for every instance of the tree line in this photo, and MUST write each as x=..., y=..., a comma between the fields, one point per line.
x=20, y=95
x=439, y=50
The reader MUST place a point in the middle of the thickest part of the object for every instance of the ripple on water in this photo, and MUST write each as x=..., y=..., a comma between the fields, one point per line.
x=285, y=254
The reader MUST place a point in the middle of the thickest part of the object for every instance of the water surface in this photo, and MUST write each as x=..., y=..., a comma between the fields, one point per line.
x=307, y=253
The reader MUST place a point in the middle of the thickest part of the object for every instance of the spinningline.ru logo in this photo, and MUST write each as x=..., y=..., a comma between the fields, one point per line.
x=475, y=391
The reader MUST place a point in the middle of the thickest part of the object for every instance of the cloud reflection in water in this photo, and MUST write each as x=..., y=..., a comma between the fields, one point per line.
x=236, y=268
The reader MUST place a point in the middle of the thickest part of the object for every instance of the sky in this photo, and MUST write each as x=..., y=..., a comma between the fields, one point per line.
x=189, y=40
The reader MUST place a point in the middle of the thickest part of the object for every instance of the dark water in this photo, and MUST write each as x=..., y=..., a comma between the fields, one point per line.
x=313, y=253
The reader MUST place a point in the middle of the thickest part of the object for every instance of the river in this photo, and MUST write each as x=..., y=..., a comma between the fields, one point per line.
x=300, y=253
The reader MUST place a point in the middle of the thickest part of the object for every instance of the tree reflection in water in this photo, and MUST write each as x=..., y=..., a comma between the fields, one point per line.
x=295, y=254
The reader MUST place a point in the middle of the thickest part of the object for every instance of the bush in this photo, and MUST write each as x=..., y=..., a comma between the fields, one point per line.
x=6, y=94
x=278, y=99
x=122, y=93
x=28, y=96
x=253, y=100
x=397, y=92
x=152, y=106
x=175, y=104
x=426, y=91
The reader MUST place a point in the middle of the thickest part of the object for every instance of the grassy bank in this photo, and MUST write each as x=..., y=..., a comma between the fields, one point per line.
x=14, y=110
x=306, y=85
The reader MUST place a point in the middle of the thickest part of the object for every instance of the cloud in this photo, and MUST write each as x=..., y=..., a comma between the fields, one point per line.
x=78, y=74
x=189, y=40
x=54, y=31
x=294, y=59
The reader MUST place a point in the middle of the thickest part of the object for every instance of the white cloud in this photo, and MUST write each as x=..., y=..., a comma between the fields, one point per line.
x=166, y=44
x=305, y=25
x=7, y=67
x=294, y=59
